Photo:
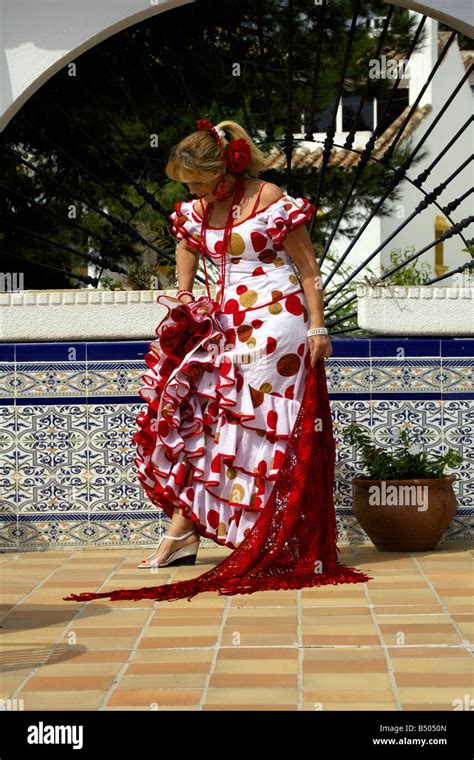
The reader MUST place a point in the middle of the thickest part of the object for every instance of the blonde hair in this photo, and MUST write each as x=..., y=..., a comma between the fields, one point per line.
x=198, y=155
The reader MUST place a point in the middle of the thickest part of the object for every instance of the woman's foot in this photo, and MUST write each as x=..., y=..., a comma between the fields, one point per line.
x=165, y=548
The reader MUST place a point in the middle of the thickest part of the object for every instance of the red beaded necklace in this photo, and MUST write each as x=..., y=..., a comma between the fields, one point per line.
x=239, y=191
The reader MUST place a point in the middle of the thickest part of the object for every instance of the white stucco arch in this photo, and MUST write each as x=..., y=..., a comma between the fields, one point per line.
x=39, y=37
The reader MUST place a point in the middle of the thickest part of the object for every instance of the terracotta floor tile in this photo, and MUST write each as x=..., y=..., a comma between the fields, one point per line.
x=35, y=622
x=8, y=684
x=337, y=640
x=68, y=683
x=252, y=681
x=172, y=656
x=460, y=608
x=435, y=695
x=14, y=671
x=443, y=680
x=343, y=591
x=394, y=596
x=262, y=614
x=348, y=706
x=141, y=708
x=257, y=695
x=156, y=642
x=431, y=665
x=356, y=696
x=155, y=697
x=401, y=609
x=249, y=707
x=424, y=707
x=49, y=633
x=163, y=681
x=194, y=621
x=467, y=629
x=266, y=651
x=344, y=653
x=55, y=700
x=342, y=681
x=450, y=601
x=166, y=668
x=251, y=666
x=255, y=639
x=111, y=618
x=329, y=627
x=84, y=658
x=429, y=652
x=335, y=613
x=345, y=666
x=446, y=637
x=195, y=603
x=318, y=602
x=266, y=598
x=167, y=631
x=414, y=626
x=106, y=643
x=247, y=629
x=71, y=669
x=413, y=618
x=129, y=632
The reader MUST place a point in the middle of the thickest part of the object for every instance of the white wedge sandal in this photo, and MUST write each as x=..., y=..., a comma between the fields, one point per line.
x=184, y=556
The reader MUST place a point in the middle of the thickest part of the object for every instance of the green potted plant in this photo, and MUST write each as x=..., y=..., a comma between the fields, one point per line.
x=405, y=503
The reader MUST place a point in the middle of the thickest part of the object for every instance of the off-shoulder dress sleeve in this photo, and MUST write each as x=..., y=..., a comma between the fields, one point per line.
x=285, y=215
x=183, y=227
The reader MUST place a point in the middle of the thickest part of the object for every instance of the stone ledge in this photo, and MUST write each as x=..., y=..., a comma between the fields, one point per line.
x=62, y=315
x=415, y=291
x=85, y=296
x=414, y=310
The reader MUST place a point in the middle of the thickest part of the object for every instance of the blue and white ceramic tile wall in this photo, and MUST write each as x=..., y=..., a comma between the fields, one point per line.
x=67, y=476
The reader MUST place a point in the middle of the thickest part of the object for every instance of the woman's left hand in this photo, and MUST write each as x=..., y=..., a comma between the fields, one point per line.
x=320, y=346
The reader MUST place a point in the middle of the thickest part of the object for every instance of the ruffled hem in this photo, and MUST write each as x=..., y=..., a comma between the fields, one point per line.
x=175, y=431
x=287, y=216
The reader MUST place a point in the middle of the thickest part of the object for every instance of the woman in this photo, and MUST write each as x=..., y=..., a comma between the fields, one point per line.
x=237, y=425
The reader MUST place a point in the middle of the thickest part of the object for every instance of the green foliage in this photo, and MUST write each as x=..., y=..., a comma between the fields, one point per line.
x=469, y=248
x=139, y=277
x=409, y=274
x=401, y=463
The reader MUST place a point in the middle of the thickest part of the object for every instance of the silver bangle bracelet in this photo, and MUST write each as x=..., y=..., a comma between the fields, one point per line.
x=317, y=331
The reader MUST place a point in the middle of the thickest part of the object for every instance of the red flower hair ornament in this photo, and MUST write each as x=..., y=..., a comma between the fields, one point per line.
x=236, y=154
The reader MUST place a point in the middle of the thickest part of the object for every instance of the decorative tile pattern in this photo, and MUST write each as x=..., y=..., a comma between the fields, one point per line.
x=68, y=410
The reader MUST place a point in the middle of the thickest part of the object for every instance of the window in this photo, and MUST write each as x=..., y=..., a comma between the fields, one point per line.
x=396, y=107
x=350, y=105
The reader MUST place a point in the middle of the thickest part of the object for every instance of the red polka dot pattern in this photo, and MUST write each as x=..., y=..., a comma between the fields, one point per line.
x=230, y=436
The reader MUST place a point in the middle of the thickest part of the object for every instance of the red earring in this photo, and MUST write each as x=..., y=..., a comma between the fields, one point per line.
x=221, y=190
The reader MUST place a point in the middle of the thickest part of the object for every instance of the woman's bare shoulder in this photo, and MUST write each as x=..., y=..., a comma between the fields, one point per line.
x=270, y=193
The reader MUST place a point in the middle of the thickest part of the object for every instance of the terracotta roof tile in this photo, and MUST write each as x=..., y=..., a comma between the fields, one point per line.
x=310, y=156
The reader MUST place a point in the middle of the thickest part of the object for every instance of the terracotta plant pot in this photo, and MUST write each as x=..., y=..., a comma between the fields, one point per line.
x=404, y=515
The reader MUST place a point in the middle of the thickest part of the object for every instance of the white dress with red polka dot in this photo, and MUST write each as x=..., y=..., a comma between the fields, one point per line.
x=221, y=472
